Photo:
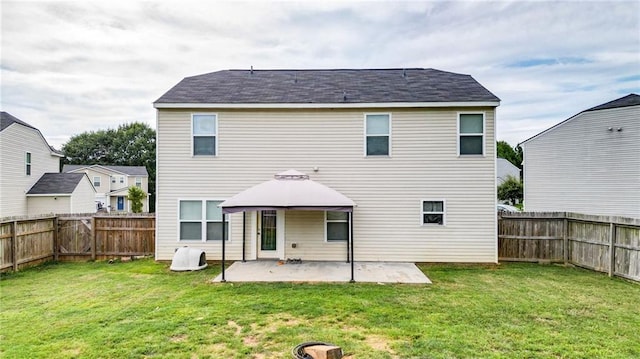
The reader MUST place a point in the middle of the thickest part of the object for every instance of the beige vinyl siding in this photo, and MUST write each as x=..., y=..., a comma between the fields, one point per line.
x=582, y=167
x=49, y=204
x=83, y=198
x=105, y=180
x=15, y=141
x=254, y=145
x=307, y=230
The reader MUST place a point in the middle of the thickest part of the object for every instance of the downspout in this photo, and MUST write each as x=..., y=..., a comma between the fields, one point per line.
x=244, y=231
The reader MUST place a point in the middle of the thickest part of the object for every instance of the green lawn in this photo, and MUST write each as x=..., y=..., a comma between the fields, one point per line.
x=142, y=310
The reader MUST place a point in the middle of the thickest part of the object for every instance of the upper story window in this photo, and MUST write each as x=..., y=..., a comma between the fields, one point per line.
x=471, y=134
x=138, y=182
x=27, y=163
x=121, y=179
x=433, y=212
x=202, y=220
x=96, y=181
x=337, y=226
x=204, y=131
x=377, y=134
x=113, y=179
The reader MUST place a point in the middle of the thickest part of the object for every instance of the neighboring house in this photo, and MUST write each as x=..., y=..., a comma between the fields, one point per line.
x=25, y=156
x=589, y=163
x=504, y=169
x=413, y=149
x=112, y=184
x=62, y=193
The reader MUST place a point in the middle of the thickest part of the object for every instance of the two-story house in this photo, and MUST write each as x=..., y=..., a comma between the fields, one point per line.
x=379, y=164
x=30, y=182
x=112, y=184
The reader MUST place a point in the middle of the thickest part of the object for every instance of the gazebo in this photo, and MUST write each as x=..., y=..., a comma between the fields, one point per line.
x=289, y=190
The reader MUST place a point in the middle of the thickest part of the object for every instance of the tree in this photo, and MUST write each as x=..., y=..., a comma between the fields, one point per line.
x=136, y=195
x=510, y=190
x=513, y=155
x=131, y=144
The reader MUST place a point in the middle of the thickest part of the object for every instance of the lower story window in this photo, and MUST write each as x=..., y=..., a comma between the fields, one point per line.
x=202, y=220
x=433, y=212
x=337, y=226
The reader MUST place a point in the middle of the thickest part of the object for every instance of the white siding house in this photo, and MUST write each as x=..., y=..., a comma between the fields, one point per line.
x=25, y=156
x=505, y=170
x=112, y=184
x=61, y=193
x=589, y=163
x=414, y=149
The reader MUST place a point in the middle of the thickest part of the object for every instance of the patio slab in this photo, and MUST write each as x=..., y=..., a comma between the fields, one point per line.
x=281, y=271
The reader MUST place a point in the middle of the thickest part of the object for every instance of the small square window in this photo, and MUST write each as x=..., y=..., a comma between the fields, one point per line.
x=433, y=213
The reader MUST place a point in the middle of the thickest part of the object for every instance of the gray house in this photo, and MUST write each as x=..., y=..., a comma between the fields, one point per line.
x=589, y=163
x=408, y=156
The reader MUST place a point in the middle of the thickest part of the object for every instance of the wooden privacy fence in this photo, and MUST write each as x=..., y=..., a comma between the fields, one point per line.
x=75, y=238
x=601, y=243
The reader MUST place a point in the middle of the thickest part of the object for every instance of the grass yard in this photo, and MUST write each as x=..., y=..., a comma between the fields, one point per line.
x=142, y=310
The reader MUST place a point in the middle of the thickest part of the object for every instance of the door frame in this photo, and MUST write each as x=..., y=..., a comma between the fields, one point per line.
x=278, y=253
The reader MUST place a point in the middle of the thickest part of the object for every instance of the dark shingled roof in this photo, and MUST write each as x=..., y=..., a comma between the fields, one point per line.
x=128, y=170
x=56, y=183
x=327, y=87
x=629, y=100
x=6, y=120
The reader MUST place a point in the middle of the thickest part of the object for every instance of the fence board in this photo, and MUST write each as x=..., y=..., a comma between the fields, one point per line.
x=606, y=244
x=69, y=238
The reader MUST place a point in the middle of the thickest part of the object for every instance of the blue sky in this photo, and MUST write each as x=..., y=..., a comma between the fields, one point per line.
x=70, y=67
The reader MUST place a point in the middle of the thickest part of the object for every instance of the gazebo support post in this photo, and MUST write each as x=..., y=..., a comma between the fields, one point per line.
x=351, y=244
x=349, y=240
x=244, y=234
x=223, y=245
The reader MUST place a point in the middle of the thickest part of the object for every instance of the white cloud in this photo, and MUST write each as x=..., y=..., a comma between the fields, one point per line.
x=70, y=67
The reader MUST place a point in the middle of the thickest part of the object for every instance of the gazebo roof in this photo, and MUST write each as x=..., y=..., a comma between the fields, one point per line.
x=288, y=190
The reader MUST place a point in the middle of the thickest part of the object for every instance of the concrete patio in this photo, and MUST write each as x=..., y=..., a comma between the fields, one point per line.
x=309, y=271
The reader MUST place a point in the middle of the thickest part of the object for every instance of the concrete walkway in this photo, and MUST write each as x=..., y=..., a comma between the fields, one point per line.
x=281, y=271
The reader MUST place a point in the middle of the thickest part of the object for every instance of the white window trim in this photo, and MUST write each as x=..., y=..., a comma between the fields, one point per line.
x=326, y=239
x=28, y=167
x=113, y=179
x=203, y=221
x=121, y=179
x=365, y=134
x=138, y=182
x=484, y=131
x=215, y=114
x=99, y=181
x=444, y=212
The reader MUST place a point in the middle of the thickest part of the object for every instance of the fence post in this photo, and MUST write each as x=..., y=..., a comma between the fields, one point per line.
x=612, y=251
x=93, y=238
x=565, y=239
x=55, y=238
x=14, y=246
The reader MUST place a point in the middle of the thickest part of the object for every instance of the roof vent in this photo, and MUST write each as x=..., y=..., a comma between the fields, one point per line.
x=252, y=69
x=344, y=95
